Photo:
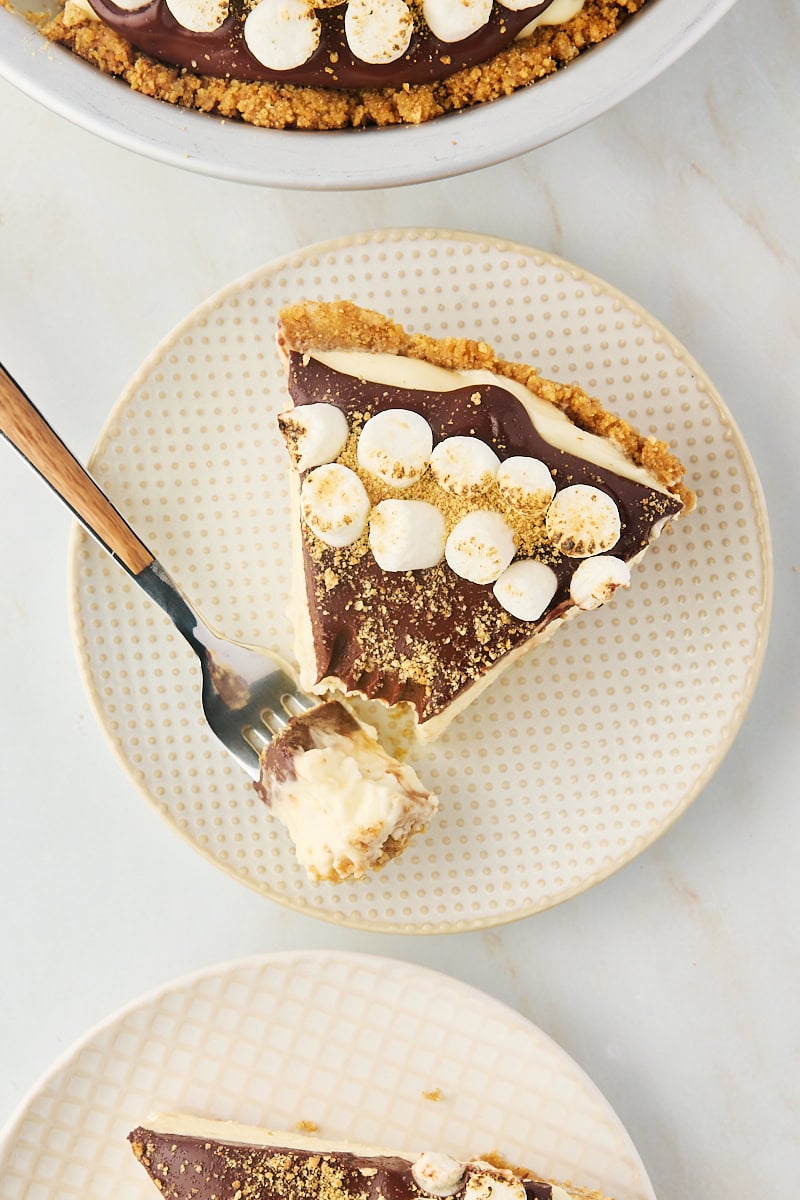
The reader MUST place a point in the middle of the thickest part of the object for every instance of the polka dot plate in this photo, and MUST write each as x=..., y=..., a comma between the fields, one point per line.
x=576, y=759
x=368, y=1049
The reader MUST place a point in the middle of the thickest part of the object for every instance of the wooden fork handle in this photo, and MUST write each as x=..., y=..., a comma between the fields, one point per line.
x=27, y=430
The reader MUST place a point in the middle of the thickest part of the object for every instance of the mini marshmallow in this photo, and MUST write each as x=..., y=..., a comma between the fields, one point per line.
x=525, y=589
x=407, y=535
x=200, y=16
x=453, y=20
x=480, y=546
x=493, y=1184
x=314, y=434
x=395, y=445
x=464, y=465
x=335, y=504
x=596, y=579
x=437, y=1174
x=526, y=482
x=583, y=521
x=378, y=33
x=282, y=34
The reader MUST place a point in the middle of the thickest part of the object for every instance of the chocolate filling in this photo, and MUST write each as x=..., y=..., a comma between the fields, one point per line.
x=303, y=733
x=424, y=636
x=185, y=1166
x=224, y=54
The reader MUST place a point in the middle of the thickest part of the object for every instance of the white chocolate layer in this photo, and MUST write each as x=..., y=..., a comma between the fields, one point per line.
x=183, y=1125
x=394, y=370
x=347, y=800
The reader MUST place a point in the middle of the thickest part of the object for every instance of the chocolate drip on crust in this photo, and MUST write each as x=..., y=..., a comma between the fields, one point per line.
x=425, y=636
x=224, y=53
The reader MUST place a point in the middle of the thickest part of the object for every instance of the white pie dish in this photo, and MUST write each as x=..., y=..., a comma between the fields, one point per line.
x=350, y=159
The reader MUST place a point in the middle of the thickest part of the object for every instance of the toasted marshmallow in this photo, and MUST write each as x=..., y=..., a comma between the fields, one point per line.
x=596, y=579
x=525, y=589
x=395, y=445
x=480, y=546
x=465, y=466
x=200, y=16
x=437, y=1174
x=526, y=483
x=453, y=20
x=659, y=528
x=407, y=535
x=314, y=434
x=583, y=521
x=282, y=34
x=334, y=504
x=378, y=33
x=492, y=1183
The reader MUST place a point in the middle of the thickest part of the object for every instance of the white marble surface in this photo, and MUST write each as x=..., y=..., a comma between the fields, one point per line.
x=674, y=983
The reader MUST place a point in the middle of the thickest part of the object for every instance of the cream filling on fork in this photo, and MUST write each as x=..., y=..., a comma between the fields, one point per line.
x=347, y=805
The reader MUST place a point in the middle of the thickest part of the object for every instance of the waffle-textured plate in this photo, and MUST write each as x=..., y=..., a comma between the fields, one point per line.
x=575, y=760
x=348, y=1041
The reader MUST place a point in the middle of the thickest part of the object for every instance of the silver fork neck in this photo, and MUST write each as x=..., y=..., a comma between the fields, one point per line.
x=161, y=588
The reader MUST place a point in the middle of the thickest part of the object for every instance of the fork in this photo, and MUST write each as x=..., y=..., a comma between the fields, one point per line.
x=248, y=694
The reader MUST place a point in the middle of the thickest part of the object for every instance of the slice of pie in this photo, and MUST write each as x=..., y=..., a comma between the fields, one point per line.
x=450, y=510
x=190, y=1158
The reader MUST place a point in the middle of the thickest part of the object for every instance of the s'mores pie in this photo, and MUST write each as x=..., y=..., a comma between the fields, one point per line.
x=330, y=64
x=450, y=510
x=189, y=1158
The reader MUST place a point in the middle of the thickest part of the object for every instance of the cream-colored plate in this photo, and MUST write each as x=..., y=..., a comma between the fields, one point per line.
x=572, y=763
x=348, y=1041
